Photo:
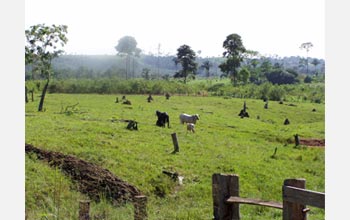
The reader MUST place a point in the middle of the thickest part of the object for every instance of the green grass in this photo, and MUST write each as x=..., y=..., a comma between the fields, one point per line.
x=223, y=143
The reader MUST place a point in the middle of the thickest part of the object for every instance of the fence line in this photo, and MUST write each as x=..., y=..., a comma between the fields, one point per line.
x=226, y=200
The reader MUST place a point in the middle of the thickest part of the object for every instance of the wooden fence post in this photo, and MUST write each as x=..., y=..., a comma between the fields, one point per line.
x=140, y=207
x=294, y=211
x=224, y=186
x=84, y=209
x=175, y=143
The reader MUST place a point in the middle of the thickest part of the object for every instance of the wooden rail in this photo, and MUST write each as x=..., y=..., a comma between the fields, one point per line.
x=303, y=196
x=226, y=200
x=235, y=199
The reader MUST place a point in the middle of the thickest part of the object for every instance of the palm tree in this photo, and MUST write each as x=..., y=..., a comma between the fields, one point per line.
x=307, y=46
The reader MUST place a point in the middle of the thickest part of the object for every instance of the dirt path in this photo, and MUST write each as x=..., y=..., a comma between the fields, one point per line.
x=91, y=179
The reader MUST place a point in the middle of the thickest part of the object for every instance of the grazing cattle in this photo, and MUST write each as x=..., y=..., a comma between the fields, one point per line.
x=163, y=118
x=185, y=118
x=190, y=127
x=126, y=102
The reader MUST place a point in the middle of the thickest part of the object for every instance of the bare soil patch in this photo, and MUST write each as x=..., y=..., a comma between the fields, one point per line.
x=91, y=179
x=313, y=142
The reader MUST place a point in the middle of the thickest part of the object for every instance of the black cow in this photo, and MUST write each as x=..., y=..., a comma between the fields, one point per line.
x=163, y=118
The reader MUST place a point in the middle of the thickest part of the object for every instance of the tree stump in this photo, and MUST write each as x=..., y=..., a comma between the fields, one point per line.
x=286, y=122
x=84, y=209
x=296, y=138
x=132, y=125
x=140, y=207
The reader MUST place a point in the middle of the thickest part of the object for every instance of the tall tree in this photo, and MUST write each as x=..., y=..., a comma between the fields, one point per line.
x=206, y=65
x=127, y=47
x=186, y=57
x=315, y=62
x=307, y=46
x=234, y=56
x=42, y=46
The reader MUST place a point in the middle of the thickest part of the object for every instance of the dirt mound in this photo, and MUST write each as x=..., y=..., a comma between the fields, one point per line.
x=91, y=179
x=313, y=142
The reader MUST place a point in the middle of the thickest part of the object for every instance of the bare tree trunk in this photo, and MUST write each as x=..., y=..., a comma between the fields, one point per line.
x=26, y=94
x=41, y=104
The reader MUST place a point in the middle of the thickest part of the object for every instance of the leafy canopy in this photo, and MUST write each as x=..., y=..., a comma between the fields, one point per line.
x=127, y=46
x=234, y=54
x=43, y=44
x=186, y=57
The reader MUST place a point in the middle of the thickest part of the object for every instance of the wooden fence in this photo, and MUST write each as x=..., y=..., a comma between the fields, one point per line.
x=226, y=200
x=139, y=202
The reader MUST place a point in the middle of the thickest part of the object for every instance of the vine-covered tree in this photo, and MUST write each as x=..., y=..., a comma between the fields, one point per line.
x=243, y=75
x=42, y=46
x=234, y=56
x=186, y=57
x=281, y=76
x=127, y=47
x=206, y=65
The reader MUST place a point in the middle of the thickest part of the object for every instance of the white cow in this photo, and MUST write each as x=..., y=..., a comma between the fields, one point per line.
x=190, y=127
x=186, y=118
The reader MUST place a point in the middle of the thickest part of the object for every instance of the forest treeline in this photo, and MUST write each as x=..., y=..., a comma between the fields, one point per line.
x=163, y=67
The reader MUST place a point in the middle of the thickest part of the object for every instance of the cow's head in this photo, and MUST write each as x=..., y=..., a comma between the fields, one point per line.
x=196, y=116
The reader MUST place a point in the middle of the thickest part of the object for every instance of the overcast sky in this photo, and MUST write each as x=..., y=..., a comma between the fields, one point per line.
x=267, y=26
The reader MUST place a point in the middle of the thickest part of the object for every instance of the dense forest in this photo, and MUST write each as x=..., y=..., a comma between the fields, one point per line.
x=157, y=67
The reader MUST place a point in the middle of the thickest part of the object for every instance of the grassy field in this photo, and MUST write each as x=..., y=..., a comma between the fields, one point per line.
x=223, y=143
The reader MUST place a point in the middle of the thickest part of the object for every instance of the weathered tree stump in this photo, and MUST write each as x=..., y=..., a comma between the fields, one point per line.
x=297, y=141
x=132, y=125
x=167, y=96
x=266, y=106
x=286, y=122
x=175, y=142
x=149, y=99
x=84, y=210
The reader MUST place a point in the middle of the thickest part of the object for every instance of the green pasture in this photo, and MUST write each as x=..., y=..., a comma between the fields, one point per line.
x=223, y=143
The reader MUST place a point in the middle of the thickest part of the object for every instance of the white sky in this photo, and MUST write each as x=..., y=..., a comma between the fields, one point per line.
x=267, y=26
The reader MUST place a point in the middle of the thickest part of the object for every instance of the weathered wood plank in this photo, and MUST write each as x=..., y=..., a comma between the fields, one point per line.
x=303, y=196
x=291, y=210
x=235, y=199
x=225, y=186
